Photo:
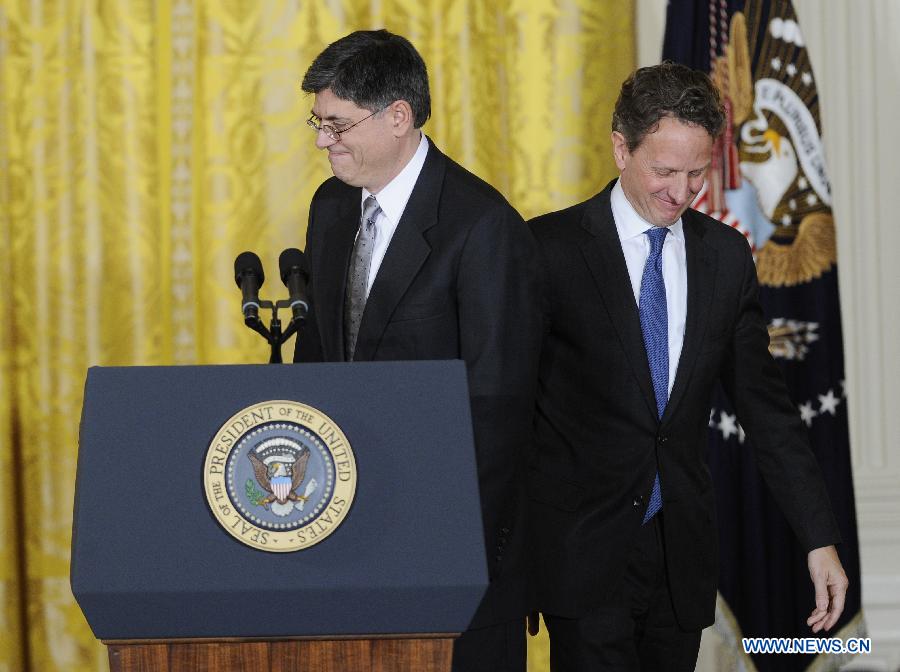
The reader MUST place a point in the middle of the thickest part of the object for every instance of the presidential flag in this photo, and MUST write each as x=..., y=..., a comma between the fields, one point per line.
x=768, y=179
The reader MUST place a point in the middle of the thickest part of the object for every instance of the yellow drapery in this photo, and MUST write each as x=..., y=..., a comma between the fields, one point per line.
x=143, y=144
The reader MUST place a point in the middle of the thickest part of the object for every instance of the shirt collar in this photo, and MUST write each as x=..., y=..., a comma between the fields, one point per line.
x=629, y=223
x=393, y=198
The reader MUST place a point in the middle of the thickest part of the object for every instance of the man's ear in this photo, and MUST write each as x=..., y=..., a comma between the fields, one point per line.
x=401, y=117
x=620, y=149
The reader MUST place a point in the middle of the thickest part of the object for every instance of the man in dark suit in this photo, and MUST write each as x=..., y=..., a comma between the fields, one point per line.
x=650, y=304
x=412, y=257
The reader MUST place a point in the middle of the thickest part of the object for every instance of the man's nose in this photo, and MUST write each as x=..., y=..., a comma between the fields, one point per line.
x=322, y=139
x=680, y=191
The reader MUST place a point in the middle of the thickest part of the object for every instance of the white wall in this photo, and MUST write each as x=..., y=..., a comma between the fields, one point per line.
x=855, y=52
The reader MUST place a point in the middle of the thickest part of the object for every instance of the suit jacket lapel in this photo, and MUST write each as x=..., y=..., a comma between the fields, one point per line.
x=405, y=255
x=332, y=276
x=701, y=279
x=606, y=262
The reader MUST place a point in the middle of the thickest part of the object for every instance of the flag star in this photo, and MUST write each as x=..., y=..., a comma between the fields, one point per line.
x=786, y=219
x=811, y=199
x=712, y=423
x=828, y=402
x=806, y=77
x=807, y=413
x=802, y=183
x=741, y=435
x=791, y=69
x=727, y=425
x=844, y=389
x=793, y=204
x=776, y=63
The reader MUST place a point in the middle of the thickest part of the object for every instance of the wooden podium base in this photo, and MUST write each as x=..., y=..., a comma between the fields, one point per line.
x=344, y=655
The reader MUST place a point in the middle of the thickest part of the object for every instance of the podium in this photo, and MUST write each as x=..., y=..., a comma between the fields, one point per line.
x=176, y=570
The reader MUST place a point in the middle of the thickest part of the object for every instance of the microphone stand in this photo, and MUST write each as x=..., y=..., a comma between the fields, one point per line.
x=273, y=335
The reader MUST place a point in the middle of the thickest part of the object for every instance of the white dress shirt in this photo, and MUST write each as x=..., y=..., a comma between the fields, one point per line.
x=636, y=247
x=393, y=199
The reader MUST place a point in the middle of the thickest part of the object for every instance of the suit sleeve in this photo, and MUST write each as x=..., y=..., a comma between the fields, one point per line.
x=756, y=387
x=500, y=335
x=308, y=343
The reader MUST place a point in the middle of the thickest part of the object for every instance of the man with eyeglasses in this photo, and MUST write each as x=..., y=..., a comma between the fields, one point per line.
x=413, y=257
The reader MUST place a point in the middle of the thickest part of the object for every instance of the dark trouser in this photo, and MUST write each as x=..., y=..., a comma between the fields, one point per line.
x=497, y=648
x=636, y=630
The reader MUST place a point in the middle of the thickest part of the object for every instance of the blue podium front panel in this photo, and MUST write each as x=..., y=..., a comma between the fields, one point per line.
x=150, y=560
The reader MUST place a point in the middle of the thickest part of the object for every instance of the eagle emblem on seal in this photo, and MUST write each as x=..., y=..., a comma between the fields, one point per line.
x=279, y=466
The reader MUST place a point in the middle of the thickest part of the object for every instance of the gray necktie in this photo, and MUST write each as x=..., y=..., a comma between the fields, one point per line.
x=358, y=275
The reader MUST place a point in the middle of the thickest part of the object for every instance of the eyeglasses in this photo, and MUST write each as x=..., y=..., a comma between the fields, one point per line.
x=334, y=133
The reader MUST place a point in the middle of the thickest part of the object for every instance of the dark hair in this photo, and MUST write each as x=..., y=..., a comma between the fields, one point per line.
x=666, y=90
x=372, y=68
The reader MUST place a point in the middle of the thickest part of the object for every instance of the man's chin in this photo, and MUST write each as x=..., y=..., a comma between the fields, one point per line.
x=344, y=176
x=667, y=216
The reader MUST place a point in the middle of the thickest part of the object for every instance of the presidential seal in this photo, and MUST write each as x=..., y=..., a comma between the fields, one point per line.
x=279, y=476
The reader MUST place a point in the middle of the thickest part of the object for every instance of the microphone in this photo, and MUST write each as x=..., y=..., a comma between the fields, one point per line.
x=292, y=265
x=249, y=276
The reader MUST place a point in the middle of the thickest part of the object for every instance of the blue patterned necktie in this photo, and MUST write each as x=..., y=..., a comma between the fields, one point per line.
x=358, y=277
x=655, y=327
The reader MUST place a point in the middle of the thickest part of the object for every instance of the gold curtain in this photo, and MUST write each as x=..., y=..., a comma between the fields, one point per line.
x=144, y=143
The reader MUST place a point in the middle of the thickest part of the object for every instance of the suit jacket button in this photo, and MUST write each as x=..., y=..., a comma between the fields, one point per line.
x=662, y=438
x=638, y=501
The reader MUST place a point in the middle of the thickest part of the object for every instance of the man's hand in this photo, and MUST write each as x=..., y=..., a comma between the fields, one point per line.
x=831, y=584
